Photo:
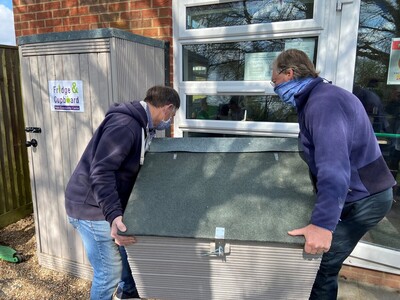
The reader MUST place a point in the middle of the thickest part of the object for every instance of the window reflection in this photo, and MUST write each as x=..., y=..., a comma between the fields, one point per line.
x=378, y=25
x=237, y=61
x=247, y=12
x=263, y=108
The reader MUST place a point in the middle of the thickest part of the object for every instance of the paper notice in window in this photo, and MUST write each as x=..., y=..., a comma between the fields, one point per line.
x=258, y=66
x=394, y=62
x=307, y=46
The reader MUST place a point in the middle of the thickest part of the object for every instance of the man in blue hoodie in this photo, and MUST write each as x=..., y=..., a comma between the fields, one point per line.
x=99, y=188
x=352, y=181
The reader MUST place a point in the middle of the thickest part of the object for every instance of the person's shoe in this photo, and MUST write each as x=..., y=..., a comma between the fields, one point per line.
x=118, y=295
x=115, y=297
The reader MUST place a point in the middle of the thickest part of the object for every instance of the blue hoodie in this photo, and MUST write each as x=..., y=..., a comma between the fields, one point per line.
x=341, y=150
x=101, y=184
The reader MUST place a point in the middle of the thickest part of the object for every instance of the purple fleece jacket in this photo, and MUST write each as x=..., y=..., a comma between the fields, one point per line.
x=101, y=184
x=341, y=150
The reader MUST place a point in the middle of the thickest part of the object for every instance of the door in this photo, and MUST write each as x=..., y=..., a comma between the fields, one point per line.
x=56, y=140
x=68, y=85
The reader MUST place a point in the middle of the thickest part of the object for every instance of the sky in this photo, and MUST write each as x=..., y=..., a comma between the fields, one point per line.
x=7, y=31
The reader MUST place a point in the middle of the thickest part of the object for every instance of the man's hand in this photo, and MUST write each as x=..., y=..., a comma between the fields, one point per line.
x=121, y=240
x=318, y=239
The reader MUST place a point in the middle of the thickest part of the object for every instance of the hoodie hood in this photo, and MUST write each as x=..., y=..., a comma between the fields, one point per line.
x=133, y=109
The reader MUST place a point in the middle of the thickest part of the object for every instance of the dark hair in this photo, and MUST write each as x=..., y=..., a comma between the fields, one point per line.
x=296, y=60
x=162, y=95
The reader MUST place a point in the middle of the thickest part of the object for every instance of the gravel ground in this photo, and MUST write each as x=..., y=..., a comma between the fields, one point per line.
x=28, y=280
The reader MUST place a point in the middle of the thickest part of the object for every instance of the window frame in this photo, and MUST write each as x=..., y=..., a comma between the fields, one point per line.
x=245, y=30
x=213, y=88
x=231, y=127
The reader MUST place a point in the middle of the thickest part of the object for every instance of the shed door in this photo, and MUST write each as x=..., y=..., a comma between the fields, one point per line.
x=58, y=138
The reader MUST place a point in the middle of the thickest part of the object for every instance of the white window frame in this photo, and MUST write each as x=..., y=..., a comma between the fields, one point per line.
x=277, y=30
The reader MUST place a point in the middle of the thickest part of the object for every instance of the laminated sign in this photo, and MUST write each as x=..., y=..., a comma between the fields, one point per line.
x=66, y=95
x=394, y=63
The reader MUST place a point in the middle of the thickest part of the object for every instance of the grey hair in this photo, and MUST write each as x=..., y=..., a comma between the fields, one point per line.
x=296, y=60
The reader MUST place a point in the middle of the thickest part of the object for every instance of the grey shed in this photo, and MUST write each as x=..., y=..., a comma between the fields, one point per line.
x=211, y=216
x=113, y=66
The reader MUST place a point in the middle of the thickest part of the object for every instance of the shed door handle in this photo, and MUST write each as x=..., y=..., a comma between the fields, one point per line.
x=32, y=143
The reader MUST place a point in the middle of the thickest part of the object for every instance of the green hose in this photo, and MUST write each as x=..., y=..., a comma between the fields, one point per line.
x=9, y=254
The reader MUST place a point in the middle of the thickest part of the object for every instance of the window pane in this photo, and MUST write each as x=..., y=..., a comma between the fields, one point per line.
x=238, y=61
x=247, y=12
x=265, y=108
x=378, y=26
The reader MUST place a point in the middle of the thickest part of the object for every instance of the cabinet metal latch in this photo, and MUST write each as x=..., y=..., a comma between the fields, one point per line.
x=219, y=249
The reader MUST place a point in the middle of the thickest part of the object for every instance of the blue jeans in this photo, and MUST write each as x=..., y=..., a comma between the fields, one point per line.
x=356, y=219
x=108, y=260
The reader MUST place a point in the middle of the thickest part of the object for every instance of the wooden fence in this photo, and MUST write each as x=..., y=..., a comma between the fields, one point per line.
x=15, y=189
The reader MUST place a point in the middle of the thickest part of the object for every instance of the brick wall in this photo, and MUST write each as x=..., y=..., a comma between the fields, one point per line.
x=370, y=276
x=150, y=18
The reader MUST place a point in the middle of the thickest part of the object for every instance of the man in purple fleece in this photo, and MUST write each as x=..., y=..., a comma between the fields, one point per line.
x=99, y=188
x=352, y=181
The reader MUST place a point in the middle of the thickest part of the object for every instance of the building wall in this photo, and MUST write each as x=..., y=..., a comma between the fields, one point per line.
x=150, y=18
x=370, y=276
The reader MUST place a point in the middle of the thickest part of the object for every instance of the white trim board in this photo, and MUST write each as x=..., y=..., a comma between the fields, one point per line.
x=374, y=257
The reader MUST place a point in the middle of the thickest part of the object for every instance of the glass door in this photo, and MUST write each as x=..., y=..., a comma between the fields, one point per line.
x=377, y=85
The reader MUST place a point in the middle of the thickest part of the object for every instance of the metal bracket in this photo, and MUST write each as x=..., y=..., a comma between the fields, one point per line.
x=218, y=249
x=33, y=129
x=339, y=4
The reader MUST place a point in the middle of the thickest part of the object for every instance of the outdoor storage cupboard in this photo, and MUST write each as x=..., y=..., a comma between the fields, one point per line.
x=211, y=217
x=104, y=66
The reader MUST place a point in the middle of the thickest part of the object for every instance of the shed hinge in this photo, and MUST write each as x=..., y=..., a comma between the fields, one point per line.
x=339, y=4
